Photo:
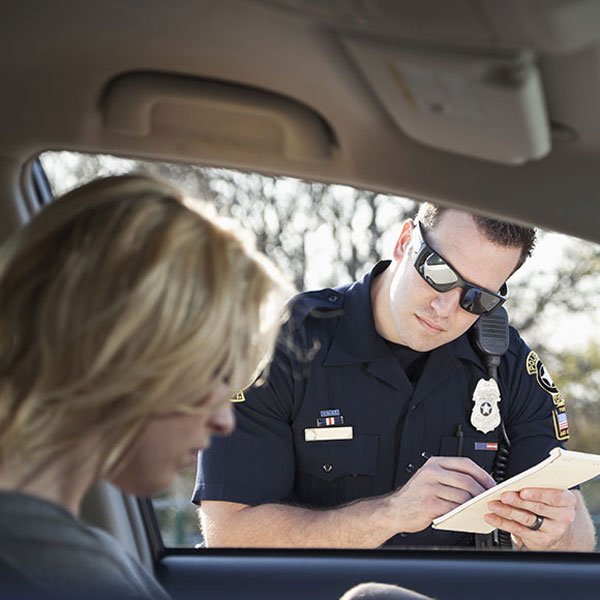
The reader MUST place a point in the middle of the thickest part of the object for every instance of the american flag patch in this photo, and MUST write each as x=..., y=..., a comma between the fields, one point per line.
x=562, y=421
x=486, y=446
x=330, y=421
x=561, y=425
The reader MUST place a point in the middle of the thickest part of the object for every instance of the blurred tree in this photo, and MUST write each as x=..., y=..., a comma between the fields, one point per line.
x=566, y=284
x=579, y=382
x=319, y=234
x=325, y=235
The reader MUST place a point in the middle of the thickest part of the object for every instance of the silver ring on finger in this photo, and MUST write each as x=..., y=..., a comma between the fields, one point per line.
x=538, y=523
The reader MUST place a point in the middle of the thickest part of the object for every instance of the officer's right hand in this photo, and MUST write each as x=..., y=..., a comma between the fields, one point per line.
x=440, y=485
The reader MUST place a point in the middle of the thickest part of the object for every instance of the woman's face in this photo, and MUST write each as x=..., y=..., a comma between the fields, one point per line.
x=171, y=443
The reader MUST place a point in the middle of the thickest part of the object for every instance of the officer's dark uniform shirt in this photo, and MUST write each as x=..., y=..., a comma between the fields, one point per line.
x=399, y=403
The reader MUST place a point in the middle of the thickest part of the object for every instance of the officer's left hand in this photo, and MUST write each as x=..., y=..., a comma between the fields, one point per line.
x=516, y=512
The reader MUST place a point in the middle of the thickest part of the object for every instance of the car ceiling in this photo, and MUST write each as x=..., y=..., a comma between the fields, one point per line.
x=63, y=60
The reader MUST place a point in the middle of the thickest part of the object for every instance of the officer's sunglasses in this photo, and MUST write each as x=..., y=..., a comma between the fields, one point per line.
x=443, y=277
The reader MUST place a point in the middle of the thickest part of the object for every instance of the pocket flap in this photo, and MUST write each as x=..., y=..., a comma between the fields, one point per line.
x=329, y=460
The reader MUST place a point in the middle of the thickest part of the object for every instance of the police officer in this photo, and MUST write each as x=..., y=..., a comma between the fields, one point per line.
x=374, y=377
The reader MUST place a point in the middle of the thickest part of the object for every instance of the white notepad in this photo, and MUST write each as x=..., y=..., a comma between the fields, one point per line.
x=561, y=470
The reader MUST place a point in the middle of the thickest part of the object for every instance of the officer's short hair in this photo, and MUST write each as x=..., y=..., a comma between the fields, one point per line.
x=115, y=296
x=503, y=233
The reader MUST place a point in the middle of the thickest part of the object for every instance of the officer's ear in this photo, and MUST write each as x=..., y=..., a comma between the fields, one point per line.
x=404, y=240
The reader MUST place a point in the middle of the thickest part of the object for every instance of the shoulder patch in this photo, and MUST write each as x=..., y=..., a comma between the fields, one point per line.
x=534, y=366
x=238, y=397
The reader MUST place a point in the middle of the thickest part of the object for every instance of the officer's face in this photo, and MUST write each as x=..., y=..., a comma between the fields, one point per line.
x=423, y=318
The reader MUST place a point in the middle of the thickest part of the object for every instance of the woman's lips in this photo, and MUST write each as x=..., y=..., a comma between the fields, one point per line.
x=193, y=454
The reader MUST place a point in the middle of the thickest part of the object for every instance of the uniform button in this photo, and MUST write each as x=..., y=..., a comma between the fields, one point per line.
x=413, y=407
x=403, y=535
x=332, y=298
x=327, y=468
x=410, y=468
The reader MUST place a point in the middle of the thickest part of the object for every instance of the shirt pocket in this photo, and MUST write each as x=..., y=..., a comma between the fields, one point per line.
x=481, y=450
x=335, y=472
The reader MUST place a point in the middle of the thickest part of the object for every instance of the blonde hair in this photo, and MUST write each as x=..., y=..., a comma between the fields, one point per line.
x=113, y=299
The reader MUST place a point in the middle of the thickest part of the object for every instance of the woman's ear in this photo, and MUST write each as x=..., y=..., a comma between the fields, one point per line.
x=404, y=240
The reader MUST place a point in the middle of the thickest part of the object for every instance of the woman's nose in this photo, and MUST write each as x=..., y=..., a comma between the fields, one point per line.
x=222, y=422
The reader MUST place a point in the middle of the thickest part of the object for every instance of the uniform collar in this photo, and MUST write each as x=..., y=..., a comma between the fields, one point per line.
x=464, y=350
x=356, y=339
x=443, y=364
x=357, y=342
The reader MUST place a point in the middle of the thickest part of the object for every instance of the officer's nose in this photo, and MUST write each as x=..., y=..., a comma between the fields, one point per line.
x=447, y=303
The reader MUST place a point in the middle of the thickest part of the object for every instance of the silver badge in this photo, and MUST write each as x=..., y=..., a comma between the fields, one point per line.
x=486, y=413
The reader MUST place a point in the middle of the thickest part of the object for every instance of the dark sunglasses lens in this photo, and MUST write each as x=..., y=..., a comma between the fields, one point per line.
x=478, y=301
x=438, y=274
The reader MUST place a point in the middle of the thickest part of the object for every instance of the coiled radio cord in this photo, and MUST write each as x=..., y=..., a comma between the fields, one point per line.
x=502, y=538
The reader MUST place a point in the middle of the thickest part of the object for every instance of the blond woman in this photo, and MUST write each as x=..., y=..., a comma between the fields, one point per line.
x=127, y=318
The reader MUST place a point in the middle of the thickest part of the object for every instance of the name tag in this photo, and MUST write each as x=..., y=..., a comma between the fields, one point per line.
x=320, y=434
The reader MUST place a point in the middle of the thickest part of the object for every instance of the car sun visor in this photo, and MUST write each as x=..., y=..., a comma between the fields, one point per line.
x=484, y=104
